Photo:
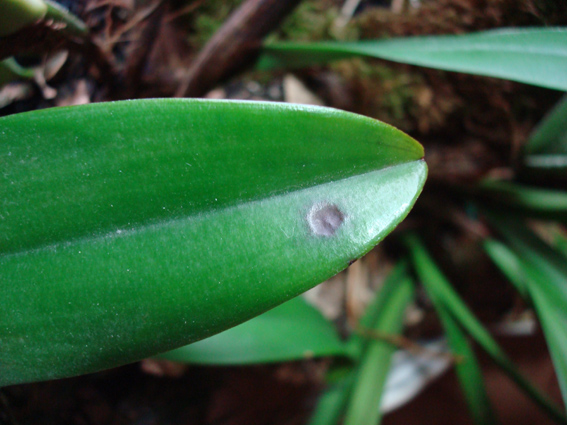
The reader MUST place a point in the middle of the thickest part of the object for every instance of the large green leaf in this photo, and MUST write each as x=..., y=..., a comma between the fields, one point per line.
x=466, y=320
x=467, y=367
x=291, y=331
x=393, y=298
x=531, y=55
x=129, y=229
x=543, y=272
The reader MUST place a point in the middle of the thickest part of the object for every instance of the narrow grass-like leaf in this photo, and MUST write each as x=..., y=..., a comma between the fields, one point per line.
x=331, y=404
x=17, y=14
x=465, y=318
x=535, y=56
x=546, y=149
x=61, y=15
x=550, y=136
x=509, y=264
x=291, y=331
x=10, y=70
x=467, y=367
x=529, y=201
x=132, y=228
x=393, y=298
x=375, y=310
x=544, y=271
x=560, y=243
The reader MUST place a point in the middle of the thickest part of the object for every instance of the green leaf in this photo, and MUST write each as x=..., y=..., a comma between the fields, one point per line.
x=17, y=14
x=535, y=56
x=393, y=298
x=544, y=273
x=132, y=228
x=546, y=149
x=10, y=70
x=467, y=367
x=378, y=308
x=509, y=264
x=332, y=402
x=431, y=275
x=529, y=201
x=291, y=331
x=560, y=242
x=73, y=25
x=550, y=136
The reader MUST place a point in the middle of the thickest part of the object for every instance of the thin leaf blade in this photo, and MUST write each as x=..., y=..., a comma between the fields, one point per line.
x=535, y=56
x=466, y=319
x=544, y=273
x=364, y=401
x=468, y=369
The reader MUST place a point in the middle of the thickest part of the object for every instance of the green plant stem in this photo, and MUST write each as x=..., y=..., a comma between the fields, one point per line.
x=74, y=25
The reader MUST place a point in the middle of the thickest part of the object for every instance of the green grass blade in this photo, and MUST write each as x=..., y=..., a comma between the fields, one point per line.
x=545, y=274
x=465, y=318
x=133, y=228
x=529, y=201
x=17, y=14
x=291, y=331
x=467, y=368
x=393, y=298
x=546, y=150
x=331, y=404
x=358, y=342
x=550, y=136
x=535, y=56
x=509, y=264
x=560, y=242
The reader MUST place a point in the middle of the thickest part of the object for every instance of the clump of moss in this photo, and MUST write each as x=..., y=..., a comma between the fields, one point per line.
x=312, y=20
x=433, y=104
x=208, y=18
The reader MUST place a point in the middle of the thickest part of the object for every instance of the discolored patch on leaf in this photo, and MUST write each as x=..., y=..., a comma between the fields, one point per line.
x=324, y=219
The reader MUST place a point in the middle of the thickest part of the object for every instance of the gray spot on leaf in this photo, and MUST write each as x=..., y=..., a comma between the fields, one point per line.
x=324, y=219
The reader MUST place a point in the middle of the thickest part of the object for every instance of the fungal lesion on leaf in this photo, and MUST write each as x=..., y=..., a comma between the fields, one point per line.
x=324, y=219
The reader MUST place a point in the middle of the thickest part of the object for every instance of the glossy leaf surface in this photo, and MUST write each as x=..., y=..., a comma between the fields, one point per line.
x=535, y=56
x=291, y=331
x=132, y=228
